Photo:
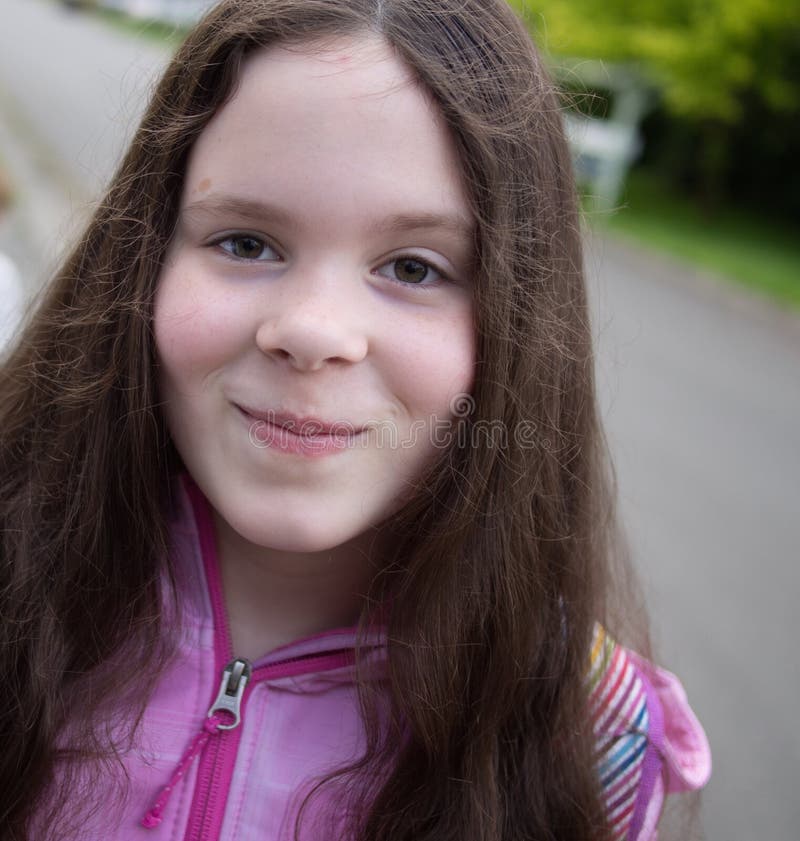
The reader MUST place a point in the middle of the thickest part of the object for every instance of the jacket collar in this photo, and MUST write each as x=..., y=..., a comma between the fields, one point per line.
x=201, y=600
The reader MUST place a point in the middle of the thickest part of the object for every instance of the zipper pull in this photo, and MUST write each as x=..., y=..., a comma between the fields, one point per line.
x=229, y=700
x=231, y=689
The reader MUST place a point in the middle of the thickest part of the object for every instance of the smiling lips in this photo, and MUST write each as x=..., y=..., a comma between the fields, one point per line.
x=304, y=436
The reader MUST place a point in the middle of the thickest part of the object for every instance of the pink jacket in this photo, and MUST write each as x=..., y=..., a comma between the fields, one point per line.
x=226, y=753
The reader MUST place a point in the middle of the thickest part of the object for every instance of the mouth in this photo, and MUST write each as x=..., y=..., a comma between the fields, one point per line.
x=302, y=426
x=300, y=435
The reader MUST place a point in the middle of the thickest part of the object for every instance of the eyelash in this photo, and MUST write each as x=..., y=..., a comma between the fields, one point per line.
x=441, y=275
x=219, y=243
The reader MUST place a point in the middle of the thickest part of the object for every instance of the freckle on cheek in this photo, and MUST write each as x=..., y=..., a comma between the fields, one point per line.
x=204, y=186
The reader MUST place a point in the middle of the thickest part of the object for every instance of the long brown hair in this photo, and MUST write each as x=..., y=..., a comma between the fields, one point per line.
x=500, y=565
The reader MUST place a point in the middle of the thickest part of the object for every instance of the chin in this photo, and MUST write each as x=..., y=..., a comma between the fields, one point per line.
x=292, y=536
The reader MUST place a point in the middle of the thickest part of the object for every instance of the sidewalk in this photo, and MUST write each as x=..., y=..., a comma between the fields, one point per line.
x=42, y=217
x=69, y=99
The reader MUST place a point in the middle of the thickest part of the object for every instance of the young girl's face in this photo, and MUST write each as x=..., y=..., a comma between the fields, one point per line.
x=318, y=282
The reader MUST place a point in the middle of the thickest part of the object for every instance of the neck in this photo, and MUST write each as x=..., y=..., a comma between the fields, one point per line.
x=274, y=597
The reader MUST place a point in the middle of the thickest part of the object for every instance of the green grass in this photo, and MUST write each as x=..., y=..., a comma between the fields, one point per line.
x=736, y=244
x=7, y=196
x=151, y=30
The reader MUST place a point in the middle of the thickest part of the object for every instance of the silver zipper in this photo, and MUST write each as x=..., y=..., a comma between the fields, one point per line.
x=231, y=689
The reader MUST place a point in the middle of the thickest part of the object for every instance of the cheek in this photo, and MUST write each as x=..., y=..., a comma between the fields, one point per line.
x=436, y=361
x=194, y=331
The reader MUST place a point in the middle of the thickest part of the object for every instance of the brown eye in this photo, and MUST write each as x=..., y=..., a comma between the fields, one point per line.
x=246, y=247
x=410, y=271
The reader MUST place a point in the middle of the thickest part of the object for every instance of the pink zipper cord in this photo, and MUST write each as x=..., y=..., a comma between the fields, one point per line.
x=156, y=812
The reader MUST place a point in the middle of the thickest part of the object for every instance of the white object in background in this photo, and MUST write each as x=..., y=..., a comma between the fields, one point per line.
x=602, y=152
x=604, y=149
x=11, y=300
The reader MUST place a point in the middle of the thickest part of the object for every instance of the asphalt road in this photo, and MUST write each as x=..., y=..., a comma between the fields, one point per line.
x=700, y=389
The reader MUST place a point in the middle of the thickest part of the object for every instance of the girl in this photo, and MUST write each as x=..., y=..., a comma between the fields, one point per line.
x=305, y=515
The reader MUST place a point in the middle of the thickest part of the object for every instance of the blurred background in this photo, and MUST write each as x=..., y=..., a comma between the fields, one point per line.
x=684, y=121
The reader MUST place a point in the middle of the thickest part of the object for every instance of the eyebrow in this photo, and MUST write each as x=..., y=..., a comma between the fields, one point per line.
x=251, y=209
x=257, y=211
x=424, y=221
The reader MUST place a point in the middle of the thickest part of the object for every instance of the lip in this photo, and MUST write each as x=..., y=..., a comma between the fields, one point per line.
x=299, y=435
x=302, y=425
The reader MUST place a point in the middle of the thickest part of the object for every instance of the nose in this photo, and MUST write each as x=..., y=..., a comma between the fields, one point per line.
x=311, y=322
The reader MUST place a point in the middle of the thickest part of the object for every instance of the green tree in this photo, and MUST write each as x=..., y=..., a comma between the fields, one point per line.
x=711, y=60
x=702, y=54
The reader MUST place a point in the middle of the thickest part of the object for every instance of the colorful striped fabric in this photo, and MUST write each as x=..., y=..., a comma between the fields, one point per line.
x=618, y=707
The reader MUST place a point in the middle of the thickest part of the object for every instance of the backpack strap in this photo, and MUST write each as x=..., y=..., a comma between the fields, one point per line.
x=648, y=740
x=621, y=720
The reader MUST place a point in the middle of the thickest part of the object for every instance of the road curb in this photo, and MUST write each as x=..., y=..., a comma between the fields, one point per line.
x=705, y=285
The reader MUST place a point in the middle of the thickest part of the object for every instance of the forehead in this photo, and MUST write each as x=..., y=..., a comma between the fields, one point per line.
x=363, y=64
x=347, y=113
